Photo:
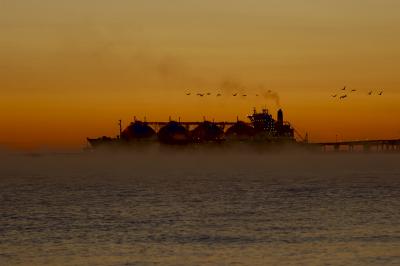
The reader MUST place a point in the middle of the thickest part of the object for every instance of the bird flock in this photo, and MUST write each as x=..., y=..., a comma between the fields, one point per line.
x=202, y=94
x=216, y=94
x=345, y=92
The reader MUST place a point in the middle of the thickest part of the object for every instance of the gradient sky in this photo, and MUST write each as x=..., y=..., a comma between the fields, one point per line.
x=71, y=69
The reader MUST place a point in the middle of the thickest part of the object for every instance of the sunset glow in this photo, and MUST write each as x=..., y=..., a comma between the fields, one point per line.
x=72, y=69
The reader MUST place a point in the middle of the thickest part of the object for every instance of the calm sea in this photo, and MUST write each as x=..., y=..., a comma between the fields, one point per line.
x=164, y=207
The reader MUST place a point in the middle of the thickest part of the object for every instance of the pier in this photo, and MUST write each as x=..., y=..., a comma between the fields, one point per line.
x=390, y=145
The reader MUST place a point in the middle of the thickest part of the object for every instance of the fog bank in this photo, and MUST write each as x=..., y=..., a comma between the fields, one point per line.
x=164, y=163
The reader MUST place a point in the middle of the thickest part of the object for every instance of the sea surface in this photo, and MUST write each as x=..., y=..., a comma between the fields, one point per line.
x=173, y=207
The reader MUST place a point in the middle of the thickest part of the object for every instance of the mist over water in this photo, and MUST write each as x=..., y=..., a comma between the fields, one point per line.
x=172, y=206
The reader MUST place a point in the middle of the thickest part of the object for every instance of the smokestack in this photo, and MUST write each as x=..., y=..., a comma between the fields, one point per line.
x=280, y=117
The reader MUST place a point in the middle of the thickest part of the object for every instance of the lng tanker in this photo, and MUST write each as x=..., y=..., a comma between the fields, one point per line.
x=261, y=128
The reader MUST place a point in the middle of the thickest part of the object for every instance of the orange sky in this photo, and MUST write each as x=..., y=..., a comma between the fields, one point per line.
x=71, y=69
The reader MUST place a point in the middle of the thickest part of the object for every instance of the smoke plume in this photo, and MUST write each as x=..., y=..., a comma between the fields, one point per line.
x=230, y=86
x=272, y=95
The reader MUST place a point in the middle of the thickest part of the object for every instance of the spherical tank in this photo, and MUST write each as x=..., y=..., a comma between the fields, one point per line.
x=207, y=131
x=240, y=130
x=137, y=130
x=173, y=133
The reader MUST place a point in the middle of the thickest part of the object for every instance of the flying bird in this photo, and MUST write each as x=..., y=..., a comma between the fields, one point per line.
x=234, y=94
x=219, y=94
x=244, y=95
x=380, y=93
x=343, y=96
x=334, y=96
x=200, y=94
x=208, y=93
x=344, y=88
x=370, y=93
x=353, y=90
x=188, y=93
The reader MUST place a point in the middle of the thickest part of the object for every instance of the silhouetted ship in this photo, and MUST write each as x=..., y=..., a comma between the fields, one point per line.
x=262, y=128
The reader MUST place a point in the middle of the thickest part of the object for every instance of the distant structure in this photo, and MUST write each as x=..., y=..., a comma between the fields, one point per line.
x=261, y=128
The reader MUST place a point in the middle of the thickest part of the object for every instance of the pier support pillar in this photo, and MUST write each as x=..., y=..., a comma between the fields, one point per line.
x=336, y=147
x=366, y=148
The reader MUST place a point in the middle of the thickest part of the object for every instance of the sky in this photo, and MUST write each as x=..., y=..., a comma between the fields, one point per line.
x=71, y=69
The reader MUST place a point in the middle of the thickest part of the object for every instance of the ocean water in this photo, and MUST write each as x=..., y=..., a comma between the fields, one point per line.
x=172, y=207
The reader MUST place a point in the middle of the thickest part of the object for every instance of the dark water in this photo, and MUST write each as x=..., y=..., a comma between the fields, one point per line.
x=194, y=208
